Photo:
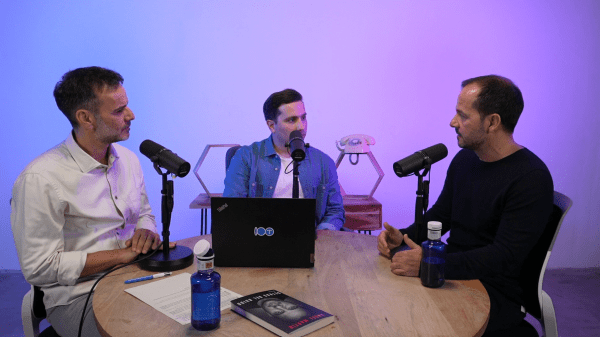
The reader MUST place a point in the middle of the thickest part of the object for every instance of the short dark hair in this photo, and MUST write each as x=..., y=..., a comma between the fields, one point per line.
x=277, y=99
x=498, y=95
x=77, y=90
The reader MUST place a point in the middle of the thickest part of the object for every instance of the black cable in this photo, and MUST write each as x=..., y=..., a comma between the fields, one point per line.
x=101, y=277
x=288, y=166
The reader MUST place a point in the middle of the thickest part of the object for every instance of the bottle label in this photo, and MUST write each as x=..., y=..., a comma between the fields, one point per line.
x=434, y=235
x=206, y=264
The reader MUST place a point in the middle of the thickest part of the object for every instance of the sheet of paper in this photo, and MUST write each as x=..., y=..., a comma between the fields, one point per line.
x=172, y=295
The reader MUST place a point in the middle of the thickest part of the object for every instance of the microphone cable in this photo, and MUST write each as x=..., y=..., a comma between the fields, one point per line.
x=288, y=166
x=102, y=276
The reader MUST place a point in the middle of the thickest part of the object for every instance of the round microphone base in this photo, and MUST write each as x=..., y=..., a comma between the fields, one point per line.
x=179, y=257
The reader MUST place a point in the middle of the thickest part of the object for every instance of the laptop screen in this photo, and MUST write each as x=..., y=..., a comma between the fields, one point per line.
x=263, y=232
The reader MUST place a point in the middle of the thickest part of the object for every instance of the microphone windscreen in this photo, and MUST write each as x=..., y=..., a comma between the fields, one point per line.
x=436, y=152
x=417, y=160
x=149, y=148
x=165, y=158
x=297, y=146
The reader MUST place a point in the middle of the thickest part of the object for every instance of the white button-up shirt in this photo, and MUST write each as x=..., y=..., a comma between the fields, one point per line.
x=65, y=205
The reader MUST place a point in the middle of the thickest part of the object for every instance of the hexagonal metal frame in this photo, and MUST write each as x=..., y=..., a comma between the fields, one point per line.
x=201, y=160
x=375, y=165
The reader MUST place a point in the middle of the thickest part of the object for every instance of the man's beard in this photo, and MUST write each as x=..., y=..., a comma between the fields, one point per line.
x=471, y=145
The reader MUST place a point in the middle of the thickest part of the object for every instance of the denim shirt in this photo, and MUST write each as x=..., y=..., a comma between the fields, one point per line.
x=254, y=170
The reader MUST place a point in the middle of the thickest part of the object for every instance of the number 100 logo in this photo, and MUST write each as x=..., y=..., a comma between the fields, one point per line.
x=260, y=231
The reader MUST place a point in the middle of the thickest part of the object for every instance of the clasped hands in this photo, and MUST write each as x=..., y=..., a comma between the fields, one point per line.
x=404, y=263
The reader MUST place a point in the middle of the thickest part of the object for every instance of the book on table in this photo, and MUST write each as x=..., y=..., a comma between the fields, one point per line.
x=281, y=314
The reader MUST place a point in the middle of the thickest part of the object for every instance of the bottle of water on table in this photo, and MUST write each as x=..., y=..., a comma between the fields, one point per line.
x=206, y=290
x=434, y=256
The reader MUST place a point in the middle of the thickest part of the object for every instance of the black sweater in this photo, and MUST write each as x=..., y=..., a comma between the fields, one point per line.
x=496, y=213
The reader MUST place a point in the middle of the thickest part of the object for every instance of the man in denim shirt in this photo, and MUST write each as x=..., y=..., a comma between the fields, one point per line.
x=254, y=171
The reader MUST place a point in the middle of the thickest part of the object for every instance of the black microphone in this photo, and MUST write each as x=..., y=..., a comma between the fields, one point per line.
x=162, y=157
x=420, y=159
x=296, y=145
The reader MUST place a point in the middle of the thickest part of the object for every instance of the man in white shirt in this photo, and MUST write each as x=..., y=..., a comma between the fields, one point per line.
x=81, y=207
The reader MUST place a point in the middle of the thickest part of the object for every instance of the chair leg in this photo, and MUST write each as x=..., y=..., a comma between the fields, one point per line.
x=31, y=324
x=548, y=316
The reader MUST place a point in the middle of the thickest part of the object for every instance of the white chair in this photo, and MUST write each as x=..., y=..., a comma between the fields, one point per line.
x=537, y=302
x=33, y=313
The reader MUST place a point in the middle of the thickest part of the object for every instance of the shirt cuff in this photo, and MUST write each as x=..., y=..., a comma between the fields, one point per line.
x=70, y=267
x=146, y=224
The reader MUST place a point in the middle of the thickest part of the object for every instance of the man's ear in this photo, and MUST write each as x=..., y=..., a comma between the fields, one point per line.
x=86, y=119
x=271, y=125
x=494, y=122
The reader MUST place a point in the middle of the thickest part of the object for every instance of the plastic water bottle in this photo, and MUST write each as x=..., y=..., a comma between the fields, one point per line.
x=434, y=256
x=206, y=290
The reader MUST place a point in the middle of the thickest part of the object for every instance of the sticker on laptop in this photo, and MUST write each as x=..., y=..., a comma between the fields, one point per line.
x=261, y=231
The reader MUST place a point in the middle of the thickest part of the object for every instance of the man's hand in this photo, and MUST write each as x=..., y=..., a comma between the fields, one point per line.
x=388, y=239
x=126, y=254
x=143, y=240
x=407, y=262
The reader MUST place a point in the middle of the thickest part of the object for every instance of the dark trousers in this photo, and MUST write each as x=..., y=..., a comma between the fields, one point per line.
x=504, y=313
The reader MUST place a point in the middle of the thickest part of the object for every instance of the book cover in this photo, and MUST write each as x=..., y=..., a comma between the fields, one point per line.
x=281, y=314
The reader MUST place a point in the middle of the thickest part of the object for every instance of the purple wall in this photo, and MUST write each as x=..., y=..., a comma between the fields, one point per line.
x=197, y=73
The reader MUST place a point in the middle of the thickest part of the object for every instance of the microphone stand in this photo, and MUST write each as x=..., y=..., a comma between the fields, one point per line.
x=171, y=258
x=295, y=183
x=296, y=173
x=422, y=199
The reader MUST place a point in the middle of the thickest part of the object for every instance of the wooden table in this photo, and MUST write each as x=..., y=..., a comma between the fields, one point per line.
x=350, y=280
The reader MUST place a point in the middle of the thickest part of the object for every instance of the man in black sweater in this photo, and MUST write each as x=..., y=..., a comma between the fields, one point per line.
x=496, y=201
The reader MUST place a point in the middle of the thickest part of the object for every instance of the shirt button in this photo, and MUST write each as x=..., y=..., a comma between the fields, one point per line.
x=277, y=168
x=253, y=184
x=270, y=187
x=116, y=197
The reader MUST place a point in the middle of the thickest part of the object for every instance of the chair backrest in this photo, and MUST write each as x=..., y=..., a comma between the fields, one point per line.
x=534, y=267
x=39, y=310
x=229, y=154
x=33, y=313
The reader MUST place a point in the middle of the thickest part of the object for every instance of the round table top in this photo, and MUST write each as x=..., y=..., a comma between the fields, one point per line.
x=350, y=280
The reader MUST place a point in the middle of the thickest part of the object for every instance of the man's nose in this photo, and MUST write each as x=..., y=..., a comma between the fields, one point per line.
x=131, y=115
x=453, y=122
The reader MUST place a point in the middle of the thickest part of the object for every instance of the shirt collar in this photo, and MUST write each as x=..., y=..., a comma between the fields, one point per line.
x=269, y=148
x=85, y=162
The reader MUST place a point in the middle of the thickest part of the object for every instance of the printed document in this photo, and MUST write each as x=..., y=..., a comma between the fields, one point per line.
x=172, y=296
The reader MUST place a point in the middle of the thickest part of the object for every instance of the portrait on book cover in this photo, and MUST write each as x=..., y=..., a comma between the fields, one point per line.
x=287, y=310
